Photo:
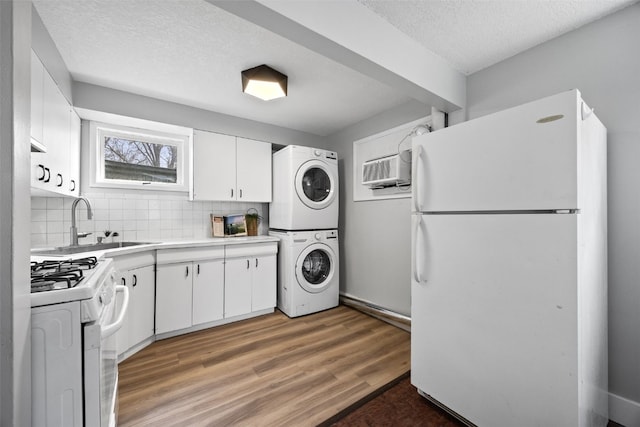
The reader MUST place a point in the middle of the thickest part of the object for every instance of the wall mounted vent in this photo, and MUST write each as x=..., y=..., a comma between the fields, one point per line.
x=387, y=171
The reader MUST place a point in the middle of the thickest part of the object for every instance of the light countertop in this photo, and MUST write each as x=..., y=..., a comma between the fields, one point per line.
x=171, y=244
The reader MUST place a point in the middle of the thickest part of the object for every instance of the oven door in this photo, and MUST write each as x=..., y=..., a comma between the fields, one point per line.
x=101, y=362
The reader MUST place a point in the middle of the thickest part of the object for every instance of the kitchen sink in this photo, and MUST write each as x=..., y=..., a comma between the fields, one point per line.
x=68, y=250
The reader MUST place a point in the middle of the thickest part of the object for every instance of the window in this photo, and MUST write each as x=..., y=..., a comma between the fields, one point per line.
x=138, y=158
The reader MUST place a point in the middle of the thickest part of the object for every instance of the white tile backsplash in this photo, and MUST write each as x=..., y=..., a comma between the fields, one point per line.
x=38, y=203
x=55, y=203
x=134, y=216
x=38, y=215
x=142, y=205
x=117, y=204
x=55, y=227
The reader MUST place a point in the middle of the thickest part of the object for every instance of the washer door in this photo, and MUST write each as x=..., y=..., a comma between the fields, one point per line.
x=315, y=267
x=316, y=184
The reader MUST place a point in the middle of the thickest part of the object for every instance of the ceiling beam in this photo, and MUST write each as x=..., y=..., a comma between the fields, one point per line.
x=352, y=35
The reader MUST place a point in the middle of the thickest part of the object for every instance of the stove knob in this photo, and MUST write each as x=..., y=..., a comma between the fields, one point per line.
x=105, y=298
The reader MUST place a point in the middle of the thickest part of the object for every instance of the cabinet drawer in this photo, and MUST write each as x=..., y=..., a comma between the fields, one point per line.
x=251, y=249
x=131, y=261
x=171, y=256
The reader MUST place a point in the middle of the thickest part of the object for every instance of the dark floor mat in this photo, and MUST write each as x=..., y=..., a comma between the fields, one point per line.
x=397, y=404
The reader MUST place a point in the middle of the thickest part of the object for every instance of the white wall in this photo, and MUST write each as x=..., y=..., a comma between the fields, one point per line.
x=600, y=59
x=43, y=45
x=603, y=62
x=98, y=98
x=15, y=299
x=375, y=256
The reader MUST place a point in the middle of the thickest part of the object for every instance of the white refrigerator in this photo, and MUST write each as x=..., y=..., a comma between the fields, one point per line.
x=509, y=269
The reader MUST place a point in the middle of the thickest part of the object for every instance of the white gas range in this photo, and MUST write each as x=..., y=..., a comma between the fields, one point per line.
x=74, y=317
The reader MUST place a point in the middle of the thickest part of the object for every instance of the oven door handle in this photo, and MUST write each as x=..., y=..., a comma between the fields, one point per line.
x=111, y=329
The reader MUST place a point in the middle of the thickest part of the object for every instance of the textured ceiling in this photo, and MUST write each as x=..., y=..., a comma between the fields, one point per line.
x=474, y=34
x=191, y=52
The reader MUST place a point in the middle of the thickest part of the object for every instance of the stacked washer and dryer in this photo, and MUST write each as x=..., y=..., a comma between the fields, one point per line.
x=304, y=215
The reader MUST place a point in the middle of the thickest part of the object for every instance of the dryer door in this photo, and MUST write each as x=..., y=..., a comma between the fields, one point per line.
x=315, y=267
x=316, y=184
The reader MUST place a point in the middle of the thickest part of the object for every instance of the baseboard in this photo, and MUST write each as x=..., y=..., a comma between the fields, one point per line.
x=396, y=319
x=624, y=411
x=208, y=325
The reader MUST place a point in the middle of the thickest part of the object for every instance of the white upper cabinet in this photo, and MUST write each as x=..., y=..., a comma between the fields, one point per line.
x=214, y=166
x=253, y=170
x=56, y=133
x=55, y=127
x=73, y=184
x=230, y=168
x=37, y=99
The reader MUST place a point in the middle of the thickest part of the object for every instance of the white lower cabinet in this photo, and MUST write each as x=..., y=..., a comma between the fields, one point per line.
x=237, y=286
x=174, y=292
x=208, y=291
x=137, y=272
x=189, y=287
x=142, y=300
x=250, y=278
x=263, y=283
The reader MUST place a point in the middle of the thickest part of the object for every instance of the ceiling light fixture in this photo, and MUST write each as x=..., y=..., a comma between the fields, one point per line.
x=264, y=82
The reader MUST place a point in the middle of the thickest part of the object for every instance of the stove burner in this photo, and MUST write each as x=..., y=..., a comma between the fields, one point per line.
x=42, y=286
x=80, y=263
x=59, y=274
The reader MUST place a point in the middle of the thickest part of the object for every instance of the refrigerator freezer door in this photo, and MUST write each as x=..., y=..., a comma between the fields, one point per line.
x=494, y=316
x=523, y=158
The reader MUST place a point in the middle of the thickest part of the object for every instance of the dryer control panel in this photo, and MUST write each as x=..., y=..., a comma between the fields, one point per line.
x=325, y=235
x=333, y=234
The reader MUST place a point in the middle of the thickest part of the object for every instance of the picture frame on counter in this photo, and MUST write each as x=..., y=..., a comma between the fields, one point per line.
x=228, y=225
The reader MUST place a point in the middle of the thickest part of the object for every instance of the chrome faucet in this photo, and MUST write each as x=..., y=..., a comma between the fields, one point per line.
x=74, y=229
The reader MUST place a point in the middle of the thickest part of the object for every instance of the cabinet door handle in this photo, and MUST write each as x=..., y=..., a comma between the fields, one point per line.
x=232, y=193
x=48, y=178
x=187, y=273
x=247, y=264
x=73, y=187
x=198, y=269
x=123, y=281
x=41, y=168
x=241, y=193
x=60, y=180
x=135, y=280
x=256, y=262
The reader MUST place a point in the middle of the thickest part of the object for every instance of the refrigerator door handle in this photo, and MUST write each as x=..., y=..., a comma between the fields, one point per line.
x=416, y=233
x=417, y=179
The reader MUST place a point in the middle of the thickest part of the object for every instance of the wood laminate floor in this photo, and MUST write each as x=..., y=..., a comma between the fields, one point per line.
x=266, y=371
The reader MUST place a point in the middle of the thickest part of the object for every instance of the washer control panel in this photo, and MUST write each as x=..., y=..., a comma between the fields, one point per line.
x=332, y=234
x=313, y=235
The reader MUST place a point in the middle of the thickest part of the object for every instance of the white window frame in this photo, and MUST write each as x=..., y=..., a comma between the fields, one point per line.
x=97, y=132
